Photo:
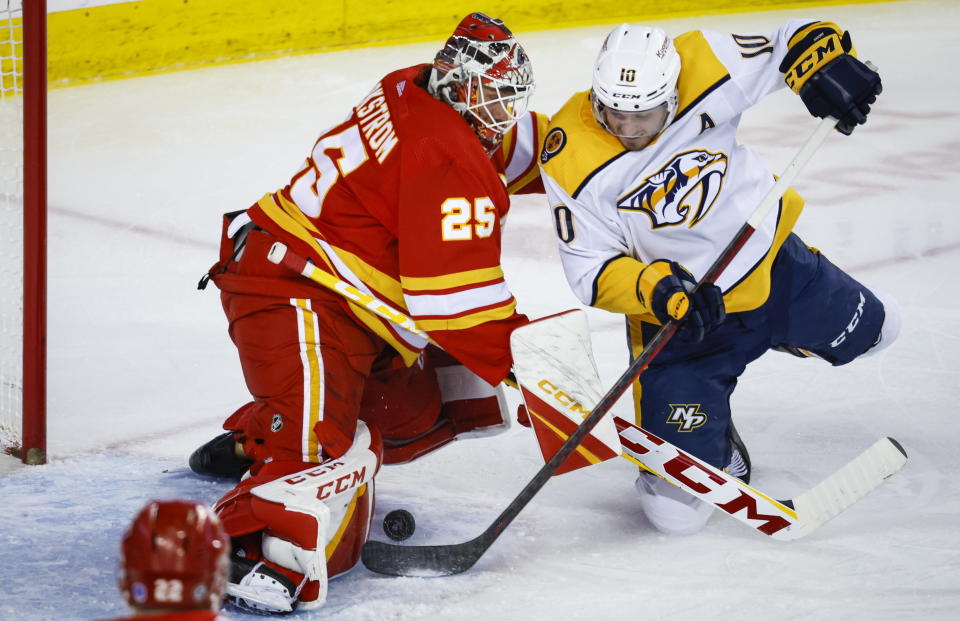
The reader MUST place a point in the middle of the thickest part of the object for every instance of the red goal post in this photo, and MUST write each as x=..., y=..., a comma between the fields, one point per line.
x=23, y=230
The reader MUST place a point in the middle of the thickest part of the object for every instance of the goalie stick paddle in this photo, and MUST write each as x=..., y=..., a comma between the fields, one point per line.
x=445, y=560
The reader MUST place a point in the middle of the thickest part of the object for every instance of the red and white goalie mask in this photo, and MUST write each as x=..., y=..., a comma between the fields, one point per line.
x=485, y=75
x=175, y=555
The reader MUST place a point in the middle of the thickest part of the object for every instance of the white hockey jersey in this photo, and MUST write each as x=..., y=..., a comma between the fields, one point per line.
x=685, y=195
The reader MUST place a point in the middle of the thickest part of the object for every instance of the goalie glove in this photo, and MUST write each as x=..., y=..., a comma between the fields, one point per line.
x=666, y=288
x=821, y=66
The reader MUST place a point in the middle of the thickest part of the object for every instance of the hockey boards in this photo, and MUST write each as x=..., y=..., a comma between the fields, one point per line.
x=780, y=519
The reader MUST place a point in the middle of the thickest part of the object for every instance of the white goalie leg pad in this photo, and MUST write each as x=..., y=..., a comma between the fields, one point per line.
x=290, y=555
x=458, y=383
x=323, y=492
x=892, y=323
x=670, y=509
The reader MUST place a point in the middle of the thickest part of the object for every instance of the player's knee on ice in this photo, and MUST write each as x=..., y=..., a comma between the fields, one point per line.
x=892, y=323
x=671, y=510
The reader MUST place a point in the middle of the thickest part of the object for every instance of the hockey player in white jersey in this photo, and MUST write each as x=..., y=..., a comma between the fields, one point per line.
x=647, y=184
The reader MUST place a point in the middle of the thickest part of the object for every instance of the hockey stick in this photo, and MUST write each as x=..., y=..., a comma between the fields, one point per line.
x=784, y=520
x=280, y=254
x=444, y=560
x=559, y=384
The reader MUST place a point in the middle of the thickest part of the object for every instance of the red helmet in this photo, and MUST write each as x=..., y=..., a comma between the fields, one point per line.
x=174, y=555
x=485, y=75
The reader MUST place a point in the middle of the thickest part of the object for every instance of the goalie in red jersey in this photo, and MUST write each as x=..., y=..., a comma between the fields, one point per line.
x=174, y=562
x=404, y=200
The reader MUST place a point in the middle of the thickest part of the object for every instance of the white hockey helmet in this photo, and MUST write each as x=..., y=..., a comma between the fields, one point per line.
x=485, y=75
x=636, y=71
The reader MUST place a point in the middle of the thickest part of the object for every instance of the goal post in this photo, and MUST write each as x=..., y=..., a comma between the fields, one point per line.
x=23, y=234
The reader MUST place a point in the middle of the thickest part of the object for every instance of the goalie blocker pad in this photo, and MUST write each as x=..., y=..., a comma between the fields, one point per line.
x=558, y=380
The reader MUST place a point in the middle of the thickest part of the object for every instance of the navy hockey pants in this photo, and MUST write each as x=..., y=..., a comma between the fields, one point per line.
x=813, y=305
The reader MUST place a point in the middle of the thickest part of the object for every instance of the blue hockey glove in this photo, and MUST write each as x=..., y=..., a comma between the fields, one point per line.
x=821, y=66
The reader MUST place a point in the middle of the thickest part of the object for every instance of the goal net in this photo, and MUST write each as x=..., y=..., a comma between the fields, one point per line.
x=22, y=234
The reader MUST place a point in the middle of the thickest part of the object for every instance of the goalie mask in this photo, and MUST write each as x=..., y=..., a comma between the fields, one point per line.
x=174, y=555
x=634, y=93
x=485, y=75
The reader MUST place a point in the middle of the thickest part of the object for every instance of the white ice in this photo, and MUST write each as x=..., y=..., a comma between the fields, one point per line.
x=141, y=370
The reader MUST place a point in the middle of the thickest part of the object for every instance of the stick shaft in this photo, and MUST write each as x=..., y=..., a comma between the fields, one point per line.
x=282, y=255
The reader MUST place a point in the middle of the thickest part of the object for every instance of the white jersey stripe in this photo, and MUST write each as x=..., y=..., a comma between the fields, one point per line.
x=455, y=303
x=415, y=341
x=524, y=150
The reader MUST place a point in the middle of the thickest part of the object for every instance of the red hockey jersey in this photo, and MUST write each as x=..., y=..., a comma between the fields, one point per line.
x=402, y=201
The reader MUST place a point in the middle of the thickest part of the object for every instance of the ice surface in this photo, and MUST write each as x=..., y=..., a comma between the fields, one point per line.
x=142, y=371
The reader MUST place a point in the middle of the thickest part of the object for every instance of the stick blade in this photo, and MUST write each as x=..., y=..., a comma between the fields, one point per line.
x=421, y=561
x=849, y=484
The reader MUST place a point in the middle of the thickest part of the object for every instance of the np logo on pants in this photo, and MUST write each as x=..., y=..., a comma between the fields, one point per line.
x=687, y=415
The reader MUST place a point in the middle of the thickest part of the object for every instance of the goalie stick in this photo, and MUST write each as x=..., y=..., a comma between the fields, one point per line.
x=280, y=254
x=440, y=560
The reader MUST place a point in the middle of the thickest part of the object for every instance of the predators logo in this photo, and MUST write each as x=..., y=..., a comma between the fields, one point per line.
x=685, y=189
x=687, y=416
x=553, y=144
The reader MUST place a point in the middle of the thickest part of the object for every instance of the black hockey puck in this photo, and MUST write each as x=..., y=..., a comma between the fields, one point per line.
x=399, y=524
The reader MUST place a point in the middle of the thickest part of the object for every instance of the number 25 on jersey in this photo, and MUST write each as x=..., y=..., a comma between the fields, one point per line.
x=463, y=220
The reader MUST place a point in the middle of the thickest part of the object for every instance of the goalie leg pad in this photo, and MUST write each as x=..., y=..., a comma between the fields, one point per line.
x=307, y=523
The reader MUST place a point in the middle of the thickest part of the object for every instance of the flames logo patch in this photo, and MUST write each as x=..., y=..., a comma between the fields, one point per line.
x=682, y=191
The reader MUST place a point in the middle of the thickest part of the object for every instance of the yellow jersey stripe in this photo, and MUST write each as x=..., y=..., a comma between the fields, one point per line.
x=635, y=335
x=700, y=76
x=386, y=286
x=312, y=378
x=291, y=220
x=451, y=281
x=615, y=289
x=468, y=321
x=292, y=225
x=521, y=181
